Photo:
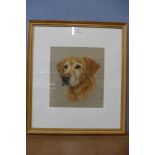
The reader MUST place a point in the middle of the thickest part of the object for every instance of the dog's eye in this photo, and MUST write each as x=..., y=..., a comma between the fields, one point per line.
x=65, y=66
x=77, y=67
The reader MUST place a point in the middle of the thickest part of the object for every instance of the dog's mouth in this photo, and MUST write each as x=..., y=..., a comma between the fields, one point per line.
x=69, y=81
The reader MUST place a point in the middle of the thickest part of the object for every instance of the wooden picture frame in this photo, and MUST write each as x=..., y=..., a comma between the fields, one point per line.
x=30, y=58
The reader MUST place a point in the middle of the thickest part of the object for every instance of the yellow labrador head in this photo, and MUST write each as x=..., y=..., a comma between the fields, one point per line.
x=73, y=70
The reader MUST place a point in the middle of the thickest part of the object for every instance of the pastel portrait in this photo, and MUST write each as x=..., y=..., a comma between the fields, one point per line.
x=76, y=77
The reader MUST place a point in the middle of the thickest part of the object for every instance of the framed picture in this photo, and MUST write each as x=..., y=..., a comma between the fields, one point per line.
x=76, y=77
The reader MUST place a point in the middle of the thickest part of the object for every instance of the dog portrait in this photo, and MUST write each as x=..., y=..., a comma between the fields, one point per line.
x=76, y=77
x=78, y=74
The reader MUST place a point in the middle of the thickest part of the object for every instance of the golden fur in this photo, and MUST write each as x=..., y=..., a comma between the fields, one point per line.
x=81, y=80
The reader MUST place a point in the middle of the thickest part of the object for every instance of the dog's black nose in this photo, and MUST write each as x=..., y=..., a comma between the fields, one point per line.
x=65, y=80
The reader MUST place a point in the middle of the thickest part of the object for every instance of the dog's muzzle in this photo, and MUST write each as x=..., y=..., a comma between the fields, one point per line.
x=65, y=79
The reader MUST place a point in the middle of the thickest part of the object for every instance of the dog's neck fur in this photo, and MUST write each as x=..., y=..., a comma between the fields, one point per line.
x=83, y=90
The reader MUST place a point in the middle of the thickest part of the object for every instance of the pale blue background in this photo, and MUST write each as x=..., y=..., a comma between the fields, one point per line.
x=80, y=10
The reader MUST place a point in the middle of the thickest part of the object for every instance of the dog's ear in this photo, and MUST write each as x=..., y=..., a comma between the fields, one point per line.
x=91, y=66
x=59, y=67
